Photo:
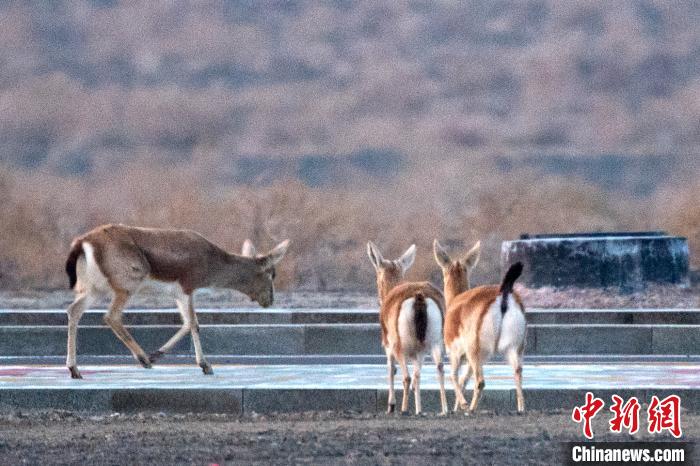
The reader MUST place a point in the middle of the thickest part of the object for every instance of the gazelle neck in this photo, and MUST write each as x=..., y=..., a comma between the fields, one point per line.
x=383, y=289
x=454, y=287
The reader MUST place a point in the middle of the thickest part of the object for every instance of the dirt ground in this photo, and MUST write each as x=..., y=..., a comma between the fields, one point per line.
x=653, y=297
x=310, y=438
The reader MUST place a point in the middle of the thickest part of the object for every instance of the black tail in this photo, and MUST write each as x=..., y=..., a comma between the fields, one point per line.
x=75, y=252
x=507, y=285
x=420, y=316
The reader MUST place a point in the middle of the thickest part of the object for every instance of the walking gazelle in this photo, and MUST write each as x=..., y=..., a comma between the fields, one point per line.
x=480, y=322
x=117, y=259
x=411, y=318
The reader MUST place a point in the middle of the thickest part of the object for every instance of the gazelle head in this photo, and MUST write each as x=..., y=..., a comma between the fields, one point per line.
x=262, y=286
x=455, y=273
x=389, y=273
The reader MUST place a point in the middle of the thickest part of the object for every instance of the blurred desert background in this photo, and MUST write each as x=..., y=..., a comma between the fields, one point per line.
x=333, y=123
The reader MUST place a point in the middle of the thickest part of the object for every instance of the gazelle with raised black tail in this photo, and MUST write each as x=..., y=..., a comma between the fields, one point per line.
x=118, y=259
x=411, y=318
x=480, y=322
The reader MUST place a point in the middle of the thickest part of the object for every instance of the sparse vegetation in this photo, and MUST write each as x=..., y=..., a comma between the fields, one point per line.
x=42, y=212
x=321, y=120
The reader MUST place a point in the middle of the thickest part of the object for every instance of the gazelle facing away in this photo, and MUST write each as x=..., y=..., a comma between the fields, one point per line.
x=410, y=316
x=480, y=322
x=117, y=259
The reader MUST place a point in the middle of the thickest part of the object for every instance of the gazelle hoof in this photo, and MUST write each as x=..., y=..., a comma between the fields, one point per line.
x=156, y=355
x=145, y=362
x=391, y=409
x=206, y=368
x=405, y=413
x=74, y=373
x=463, y=406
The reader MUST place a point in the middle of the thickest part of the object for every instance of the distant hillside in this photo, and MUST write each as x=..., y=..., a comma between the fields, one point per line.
x=87, y=86
x=335, y=122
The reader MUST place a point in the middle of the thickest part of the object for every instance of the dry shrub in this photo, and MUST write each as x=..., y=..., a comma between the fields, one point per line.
x=328, y=227
x=678, y=210
x=30, y=253
x=136, y=112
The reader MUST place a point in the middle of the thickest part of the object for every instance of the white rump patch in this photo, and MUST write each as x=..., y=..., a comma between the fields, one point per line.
x=433, y=336
x=91, y=275
x=512, y=326
x=407, y=328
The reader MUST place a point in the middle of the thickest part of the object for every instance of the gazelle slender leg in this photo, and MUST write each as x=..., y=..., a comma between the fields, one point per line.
x=464, y=378
x=184, y=330
x=75, y=311
x=113, y=318
x=455, y=362
x=516, y=362
x=406, y=384
x=417, y=365
x=391, y=370
x=194, y=329
x=479, y=384
x=437, y=357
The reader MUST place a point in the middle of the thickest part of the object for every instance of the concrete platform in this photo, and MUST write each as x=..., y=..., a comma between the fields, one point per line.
x=352, y=339
x=238, y=316
x=613, y=316
x=305, y=359
x=259, y=316
x=242, y=388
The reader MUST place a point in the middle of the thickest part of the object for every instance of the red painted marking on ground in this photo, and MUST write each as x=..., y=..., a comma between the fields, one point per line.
x=31, y=371
x=15, y=371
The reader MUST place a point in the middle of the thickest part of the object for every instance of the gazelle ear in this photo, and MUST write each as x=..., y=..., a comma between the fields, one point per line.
x=471, y=258
x=406, y=260
x=374, y=255
x=248, y=250
x=273, y=257
x=441, y=256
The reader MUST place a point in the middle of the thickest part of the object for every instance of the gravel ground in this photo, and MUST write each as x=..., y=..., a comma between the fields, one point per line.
x=60, y=437
x=654, y=297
